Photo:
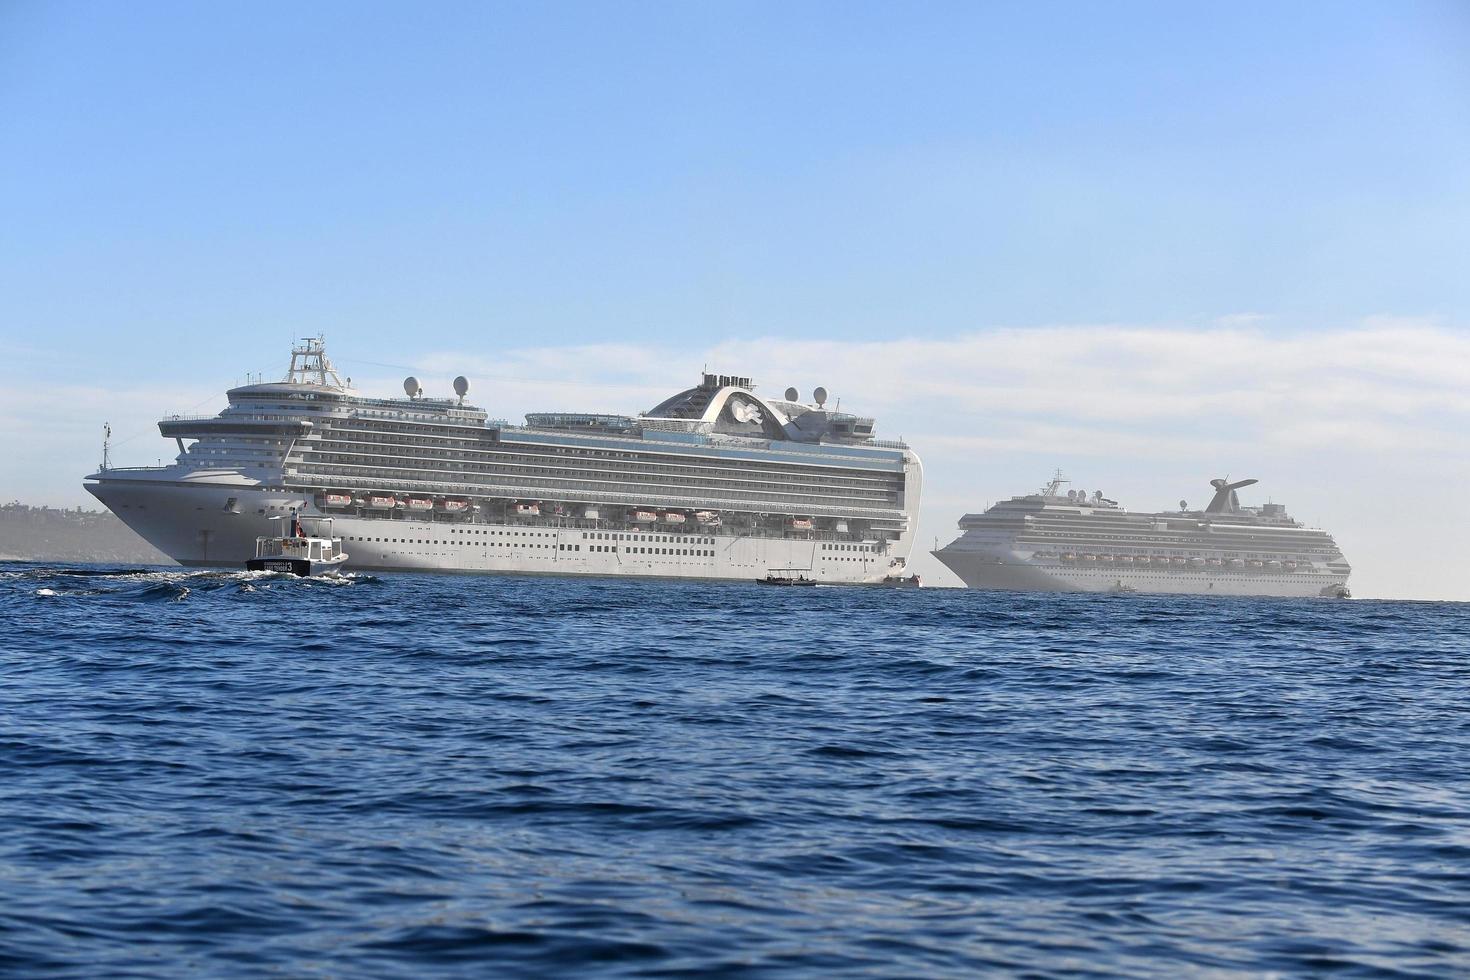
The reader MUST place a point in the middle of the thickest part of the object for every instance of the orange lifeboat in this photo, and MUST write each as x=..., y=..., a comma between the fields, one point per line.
x=454, y=506
x=337, y=500
x=642, y=516
x=800, y=524
x=420, y=503
x=1069, y=556
x=381, y=502
x=674, y=517
x=1089, y=557
x=526, y=508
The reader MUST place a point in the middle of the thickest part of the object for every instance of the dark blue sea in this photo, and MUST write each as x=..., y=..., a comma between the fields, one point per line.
x=209, y=773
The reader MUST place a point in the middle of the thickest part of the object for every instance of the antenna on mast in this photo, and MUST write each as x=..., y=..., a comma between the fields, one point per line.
x=106, y=449
x=309, y=364
x=1050, y=490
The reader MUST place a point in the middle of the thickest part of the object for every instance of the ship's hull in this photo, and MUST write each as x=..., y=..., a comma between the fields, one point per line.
x=215, y=523
x=304, y=567
x=981, y=571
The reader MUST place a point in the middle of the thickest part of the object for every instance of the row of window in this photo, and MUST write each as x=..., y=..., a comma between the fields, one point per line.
x=612, y=549
x=857, y=486
x=632, y=550
x=795, y=493
x=672, y=539
x=487, y=544
x=718, y=498
x=342, y=442
x=394, y=436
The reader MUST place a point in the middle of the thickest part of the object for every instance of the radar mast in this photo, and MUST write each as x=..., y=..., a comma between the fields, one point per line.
x=1050, y=490
x=310, y=366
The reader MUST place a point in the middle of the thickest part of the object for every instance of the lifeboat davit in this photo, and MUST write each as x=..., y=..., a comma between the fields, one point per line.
x=642, y=516
x=674, y=517
x=454, y=506
x=526, y=508
x=590, y=514
x=709, y=518
x=381, y=502
x=337, y=500
x=800, y=524
x=420, y=503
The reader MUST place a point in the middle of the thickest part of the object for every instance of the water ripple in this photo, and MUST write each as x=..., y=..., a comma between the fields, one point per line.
x=247, y=773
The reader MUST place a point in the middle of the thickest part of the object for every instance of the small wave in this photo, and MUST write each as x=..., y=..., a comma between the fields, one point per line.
x=106, y=572
x=163, y=591
x=170, y=585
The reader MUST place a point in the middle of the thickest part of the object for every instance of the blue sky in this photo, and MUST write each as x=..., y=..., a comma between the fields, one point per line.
x=184, y=187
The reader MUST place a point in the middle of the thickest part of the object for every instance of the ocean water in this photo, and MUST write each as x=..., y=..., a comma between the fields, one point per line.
x=209, y=773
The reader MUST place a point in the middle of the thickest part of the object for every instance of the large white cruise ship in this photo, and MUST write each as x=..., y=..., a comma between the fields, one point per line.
x=715, y=482
x=1054, y=542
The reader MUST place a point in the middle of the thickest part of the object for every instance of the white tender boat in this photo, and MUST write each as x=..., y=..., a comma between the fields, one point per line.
x=299, y=553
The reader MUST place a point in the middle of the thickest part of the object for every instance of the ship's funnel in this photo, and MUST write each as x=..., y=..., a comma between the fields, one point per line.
x=1225, y=501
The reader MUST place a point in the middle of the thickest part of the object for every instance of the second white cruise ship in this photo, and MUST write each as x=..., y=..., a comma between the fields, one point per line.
x=1051, y=541
x=715, y=482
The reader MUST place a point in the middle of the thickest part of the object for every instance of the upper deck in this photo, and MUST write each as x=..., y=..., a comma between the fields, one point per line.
x=720, y=411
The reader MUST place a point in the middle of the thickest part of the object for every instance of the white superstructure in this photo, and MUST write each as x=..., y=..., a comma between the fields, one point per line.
x=1054, y=542
x=715, y=482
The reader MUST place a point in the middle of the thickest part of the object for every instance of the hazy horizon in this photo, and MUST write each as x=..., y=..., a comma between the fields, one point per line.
x=1147, y=245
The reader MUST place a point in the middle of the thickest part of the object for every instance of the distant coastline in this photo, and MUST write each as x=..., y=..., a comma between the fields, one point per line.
x=29, y=533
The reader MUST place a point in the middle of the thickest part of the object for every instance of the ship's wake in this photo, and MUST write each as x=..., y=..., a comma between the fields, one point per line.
x=166, y=585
